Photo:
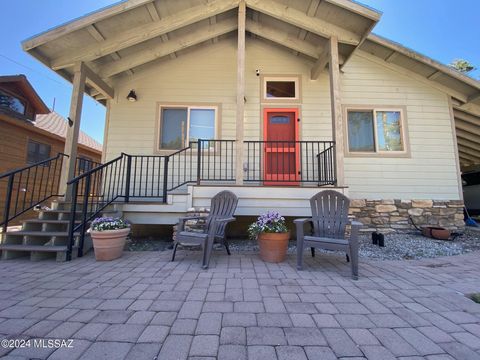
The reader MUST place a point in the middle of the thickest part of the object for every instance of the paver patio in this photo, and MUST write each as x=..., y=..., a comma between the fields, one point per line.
x=142, y=306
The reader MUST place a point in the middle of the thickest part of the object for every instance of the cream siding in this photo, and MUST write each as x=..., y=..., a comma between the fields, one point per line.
x=208, y=75
x=430, y=171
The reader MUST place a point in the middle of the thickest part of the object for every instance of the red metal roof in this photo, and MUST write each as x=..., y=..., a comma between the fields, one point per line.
x=56, y=124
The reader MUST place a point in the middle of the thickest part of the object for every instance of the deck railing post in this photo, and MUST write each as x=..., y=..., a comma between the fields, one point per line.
x=84, y=214
x=165, y=179
x=71, y=228
x=127, y=180
x=199, y=161
x=8, y=199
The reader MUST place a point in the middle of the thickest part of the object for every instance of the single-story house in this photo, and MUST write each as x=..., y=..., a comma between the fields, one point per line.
x=272, y=99
x=31, y=133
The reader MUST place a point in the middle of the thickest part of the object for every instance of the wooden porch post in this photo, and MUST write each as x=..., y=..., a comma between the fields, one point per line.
x=240, y=93
x=71, y=142
x=336, y=106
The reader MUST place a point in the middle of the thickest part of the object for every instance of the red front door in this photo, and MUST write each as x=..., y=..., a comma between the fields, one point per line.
x=281, y=150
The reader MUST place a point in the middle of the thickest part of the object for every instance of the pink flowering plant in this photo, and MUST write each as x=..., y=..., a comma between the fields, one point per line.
x=108, y=223
x=270, y=222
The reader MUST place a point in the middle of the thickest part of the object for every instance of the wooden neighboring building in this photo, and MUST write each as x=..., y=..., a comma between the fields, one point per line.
x=247, y=72
x=30, y=132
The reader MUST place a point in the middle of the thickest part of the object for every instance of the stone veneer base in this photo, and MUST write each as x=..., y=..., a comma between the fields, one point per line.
x=393, y=215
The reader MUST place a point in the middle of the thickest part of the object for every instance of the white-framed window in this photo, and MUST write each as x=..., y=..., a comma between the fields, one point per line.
x=376, y=131
x=280, y=88
x=180, y=125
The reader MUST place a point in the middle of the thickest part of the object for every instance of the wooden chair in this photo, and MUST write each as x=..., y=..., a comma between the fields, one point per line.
x=222, y=208
x=329, y=219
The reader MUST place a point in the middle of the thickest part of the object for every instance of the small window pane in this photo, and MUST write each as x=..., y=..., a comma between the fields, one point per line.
x=388, y=131
x=12, y=103
x=360, y=131
x=202, y=124
x=280, y=120
x=174, y=128
x=37, y=152
x=281, y=89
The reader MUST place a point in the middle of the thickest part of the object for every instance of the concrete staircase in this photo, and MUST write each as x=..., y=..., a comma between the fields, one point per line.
x=47, y=236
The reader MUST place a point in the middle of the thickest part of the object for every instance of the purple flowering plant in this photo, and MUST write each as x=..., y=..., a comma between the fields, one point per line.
x=108, y=223
x=270, y=222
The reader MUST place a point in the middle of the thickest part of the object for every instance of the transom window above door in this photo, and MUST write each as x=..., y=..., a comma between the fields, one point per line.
x=376, y=131
x=280, y=89
x=180, y=125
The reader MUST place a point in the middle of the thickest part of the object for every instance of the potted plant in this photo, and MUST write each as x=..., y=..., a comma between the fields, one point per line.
x=109, y=236
x=272, y=233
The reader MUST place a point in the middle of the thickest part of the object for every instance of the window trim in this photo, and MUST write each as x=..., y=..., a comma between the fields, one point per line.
x=40, y=143
x=19, y=98
x=285, y=100
x=175, y=105
x=405, y=153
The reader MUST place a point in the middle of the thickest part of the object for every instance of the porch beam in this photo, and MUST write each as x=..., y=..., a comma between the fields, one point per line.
x=99, y=85
x=336, y=109
x=71, y=141
x=303, y=21
x=82, y=23
x=152, y=10
x=144, y=32
x=166, y=48
x=320, y=64
x=474, y=97
x=312, y=9
x=97, y=35
x=282, y=38
x=242, y=11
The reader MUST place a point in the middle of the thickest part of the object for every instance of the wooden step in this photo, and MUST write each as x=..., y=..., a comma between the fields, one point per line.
x=36, y=221
x=43, y=248
x=77, y=211
x=40, y=233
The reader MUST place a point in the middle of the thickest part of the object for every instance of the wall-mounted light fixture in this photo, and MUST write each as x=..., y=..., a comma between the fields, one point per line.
x=132, y=96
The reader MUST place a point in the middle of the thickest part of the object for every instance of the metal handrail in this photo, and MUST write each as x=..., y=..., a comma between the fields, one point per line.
x=15, y=171
x=44, y=188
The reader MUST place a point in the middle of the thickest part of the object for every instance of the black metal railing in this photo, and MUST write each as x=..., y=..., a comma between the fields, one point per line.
x=29, y=186
x=145, y=177
x=215, y=160
x=93, y=191
x=153, y=176
x=327, y=174
x=289, y=162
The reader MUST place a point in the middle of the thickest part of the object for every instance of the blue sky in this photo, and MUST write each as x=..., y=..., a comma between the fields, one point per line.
x=440, y=29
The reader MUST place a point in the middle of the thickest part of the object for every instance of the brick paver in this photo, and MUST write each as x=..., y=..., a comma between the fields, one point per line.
x=143, y=306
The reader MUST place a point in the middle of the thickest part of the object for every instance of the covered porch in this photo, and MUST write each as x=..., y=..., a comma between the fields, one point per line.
x=98, y=51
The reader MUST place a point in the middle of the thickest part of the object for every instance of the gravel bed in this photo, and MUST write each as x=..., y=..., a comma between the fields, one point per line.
x=406, y=246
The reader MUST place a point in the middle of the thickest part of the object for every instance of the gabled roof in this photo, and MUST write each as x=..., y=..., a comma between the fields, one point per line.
x=132, y=34
x=124, y=37
x=55, y=124
x=27, y=91
x=464, y=90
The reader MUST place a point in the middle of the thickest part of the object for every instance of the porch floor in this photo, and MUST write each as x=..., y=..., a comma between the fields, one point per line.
x=143, y=305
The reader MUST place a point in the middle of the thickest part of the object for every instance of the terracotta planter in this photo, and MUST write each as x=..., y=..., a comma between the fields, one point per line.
x=273, y=246
x=438, y=233
x=108, y=244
